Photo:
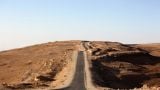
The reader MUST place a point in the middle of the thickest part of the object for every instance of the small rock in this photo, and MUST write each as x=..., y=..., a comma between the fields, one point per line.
x=44, y=78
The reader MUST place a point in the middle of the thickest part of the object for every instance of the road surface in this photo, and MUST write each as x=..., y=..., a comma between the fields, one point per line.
x=78, y=82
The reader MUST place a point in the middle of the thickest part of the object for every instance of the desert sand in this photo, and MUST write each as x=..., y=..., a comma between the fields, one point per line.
x=35, y=66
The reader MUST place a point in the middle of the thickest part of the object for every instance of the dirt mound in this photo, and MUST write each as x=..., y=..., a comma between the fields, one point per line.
x=116, y=65
x=36, y=65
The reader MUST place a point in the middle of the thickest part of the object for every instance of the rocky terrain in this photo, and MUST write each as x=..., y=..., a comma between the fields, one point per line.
x=35, y=66
x=116, y=65
x=112, y=64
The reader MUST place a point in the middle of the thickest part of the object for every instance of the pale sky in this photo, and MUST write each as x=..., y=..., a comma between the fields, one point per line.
x=27, y=22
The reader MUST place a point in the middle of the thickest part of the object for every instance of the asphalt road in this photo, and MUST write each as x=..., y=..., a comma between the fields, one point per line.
x=78, y=82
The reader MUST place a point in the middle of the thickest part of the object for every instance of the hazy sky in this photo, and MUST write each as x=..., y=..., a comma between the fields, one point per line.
x=25, y=22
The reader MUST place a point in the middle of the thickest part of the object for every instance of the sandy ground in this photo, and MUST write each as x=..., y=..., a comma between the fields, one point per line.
x=37, y=65
x=116, y=65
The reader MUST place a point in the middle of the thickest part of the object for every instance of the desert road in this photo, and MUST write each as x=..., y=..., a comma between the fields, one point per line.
x=78, y=82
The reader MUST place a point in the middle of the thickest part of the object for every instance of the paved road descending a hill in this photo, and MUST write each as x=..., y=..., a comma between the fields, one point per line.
x=78, y=82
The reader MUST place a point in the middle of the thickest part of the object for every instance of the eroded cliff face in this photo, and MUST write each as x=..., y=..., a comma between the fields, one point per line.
x=116, y=65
